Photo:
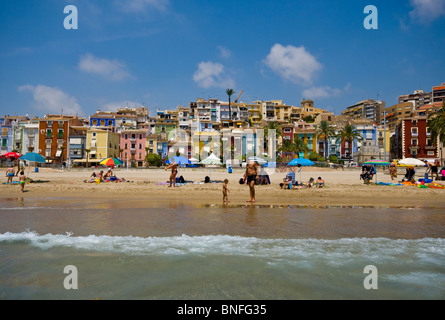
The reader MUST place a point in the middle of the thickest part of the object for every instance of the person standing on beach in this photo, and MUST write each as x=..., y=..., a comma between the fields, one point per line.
x=174, y=168
x=251, y=176
x=10, y=173
x=225, y=191
x=22, y=180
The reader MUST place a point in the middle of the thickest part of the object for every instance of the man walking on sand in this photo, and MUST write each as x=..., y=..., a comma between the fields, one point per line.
x=251, y=176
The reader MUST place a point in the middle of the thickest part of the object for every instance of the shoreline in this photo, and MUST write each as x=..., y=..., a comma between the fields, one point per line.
x=343, y=188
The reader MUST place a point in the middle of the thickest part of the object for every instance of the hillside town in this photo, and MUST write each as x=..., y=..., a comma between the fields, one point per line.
x=233, y=130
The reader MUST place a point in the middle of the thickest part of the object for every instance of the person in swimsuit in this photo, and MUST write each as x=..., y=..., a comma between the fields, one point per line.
x=174, y=168
x=10, y=173
x=251, y=176
x=22, y=180
x=435, y=170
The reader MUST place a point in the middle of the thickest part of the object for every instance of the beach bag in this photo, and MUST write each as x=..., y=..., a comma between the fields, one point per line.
x=241, y=181
x=426, y=176
x=207, y=179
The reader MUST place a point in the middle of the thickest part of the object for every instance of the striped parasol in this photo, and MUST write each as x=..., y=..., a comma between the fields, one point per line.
x=111, y=162
x=377, y=162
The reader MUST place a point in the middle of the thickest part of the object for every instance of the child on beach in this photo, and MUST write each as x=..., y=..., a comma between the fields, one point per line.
x=22, y=180
x=10, y=174
x=225, y=191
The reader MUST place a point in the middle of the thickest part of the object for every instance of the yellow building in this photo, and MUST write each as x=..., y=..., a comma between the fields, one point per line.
x=102, y=144
x=381, y=134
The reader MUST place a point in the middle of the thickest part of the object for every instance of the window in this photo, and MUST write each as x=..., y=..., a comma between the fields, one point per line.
x=414, y=142
x=94, y=134
x=140, y=146
x=140, y=135
x=110, y=122
x=126, y=137
x=102, y=123
x=431, y=153
x=49, y=124
x=48, y=133
x=95, y=123
x=60, y=133
x=4, y=142
x=414, y=131
x=133, y=146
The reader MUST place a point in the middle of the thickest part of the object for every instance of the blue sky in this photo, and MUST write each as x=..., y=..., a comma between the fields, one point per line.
x=165, y=53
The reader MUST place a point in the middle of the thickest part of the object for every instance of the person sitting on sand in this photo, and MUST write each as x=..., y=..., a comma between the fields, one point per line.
x=320, y=183
x=10, y=173
x=311, y=183
x=22, y=180
x=174, y=167
x=225, y=191
x=101, y=176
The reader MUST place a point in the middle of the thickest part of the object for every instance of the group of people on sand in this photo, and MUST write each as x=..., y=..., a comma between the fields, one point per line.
x=10, y=174
x=108, y=176
x=312, y=183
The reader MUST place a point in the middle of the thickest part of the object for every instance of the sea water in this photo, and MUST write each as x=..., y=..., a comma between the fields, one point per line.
x=171, y=250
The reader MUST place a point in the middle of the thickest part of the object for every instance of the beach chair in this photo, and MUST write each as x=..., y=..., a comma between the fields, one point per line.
x=292, y=175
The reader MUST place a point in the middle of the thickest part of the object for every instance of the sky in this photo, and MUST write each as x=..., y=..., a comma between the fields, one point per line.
x=165, y=53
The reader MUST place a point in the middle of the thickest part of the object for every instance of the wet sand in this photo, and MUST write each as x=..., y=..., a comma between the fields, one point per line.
x=343, y=188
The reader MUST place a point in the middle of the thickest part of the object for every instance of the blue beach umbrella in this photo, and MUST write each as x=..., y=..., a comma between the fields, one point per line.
x=302, y=162
x=33, y=157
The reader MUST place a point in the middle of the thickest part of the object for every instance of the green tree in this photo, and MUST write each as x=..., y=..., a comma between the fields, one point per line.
x=325, y=130
x=349, y=134
x=230, y=93
x=436, y=125
x=153, y=159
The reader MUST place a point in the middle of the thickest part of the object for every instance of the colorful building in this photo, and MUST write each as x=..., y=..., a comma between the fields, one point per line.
x=101, y=144
x=413, y=140
x=132, y=145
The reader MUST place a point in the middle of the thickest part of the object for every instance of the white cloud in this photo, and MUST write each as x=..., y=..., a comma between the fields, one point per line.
x=324, y=92
x=292, y=63
x=210, y=74
x=53, y=100
x=224, y=52
x=137, y=6
x=110, y=69
x=425, y=11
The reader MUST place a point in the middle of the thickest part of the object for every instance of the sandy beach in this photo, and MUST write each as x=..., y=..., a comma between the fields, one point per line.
x=344, y=188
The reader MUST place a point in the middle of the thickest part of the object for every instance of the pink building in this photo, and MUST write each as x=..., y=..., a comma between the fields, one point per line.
x=133, y=143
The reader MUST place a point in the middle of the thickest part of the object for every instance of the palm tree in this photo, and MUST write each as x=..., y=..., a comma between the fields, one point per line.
x=436, y=124
x=230, y=93
x=88, y=153
x=349, y=134
x=326, y=130
x=300, y=146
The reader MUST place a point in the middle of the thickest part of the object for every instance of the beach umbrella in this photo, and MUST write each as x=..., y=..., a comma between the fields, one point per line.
x=301, y=162
x=409, y=162
x=33, y=157
x=178, y=160
x=212, y=160
x=377, y=162
x=12, y=155
x=111, y=162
